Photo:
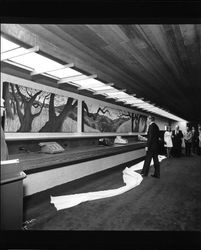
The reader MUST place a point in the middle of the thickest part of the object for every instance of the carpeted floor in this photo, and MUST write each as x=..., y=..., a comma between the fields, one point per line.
x=171, y=203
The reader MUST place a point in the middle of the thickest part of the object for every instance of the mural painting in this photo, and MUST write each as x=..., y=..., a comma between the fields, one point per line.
x=98, y=118
x=32, y=110
x=139, y=123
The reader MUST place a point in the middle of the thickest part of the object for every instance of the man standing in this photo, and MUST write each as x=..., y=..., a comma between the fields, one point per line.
x=152, y=149
x=188, y=141
x=177, y=136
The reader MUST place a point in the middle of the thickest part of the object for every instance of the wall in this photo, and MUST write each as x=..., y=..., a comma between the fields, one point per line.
x=162, y=122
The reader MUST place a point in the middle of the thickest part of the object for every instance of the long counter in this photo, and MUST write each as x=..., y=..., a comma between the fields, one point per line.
x=44, y=171
x=37, y=161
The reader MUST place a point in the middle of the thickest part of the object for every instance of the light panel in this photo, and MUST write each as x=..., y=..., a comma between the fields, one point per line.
x=105, y=87
x=89, y=83
x=38, y=64
x=7, y=45
x=12, y=53
x=118, y=94
x=107, y=91
x=36, y=61
x=47, y=71
x=61, y=73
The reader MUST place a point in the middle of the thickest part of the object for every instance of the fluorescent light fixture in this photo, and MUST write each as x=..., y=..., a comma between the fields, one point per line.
x=117, y=93
x=48, y=70
x=109, y=90
x=12, y=54
x=89, y=83
x=130, y=102
x=67, y=72
x=128, y=98
x=105, y=86
x=74, y=79
x=36, y=62
x=7, y=45
x=135, y=103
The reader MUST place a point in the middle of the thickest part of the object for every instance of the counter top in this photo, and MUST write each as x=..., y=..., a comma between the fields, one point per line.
x=36, y=161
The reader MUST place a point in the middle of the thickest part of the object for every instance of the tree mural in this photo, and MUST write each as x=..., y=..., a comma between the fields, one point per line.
x=104, y=119
x=29, y=109
x=55, y=122
x=22, y=100
x=9, y=102
x=139, y=123
x=103, y=110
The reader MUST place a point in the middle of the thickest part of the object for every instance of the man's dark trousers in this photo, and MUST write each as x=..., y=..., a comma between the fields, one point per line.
x=149, y=156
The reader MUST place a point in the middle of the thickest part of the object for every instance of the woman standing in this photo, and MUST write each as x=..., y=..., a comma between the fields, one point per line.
x=168, y=140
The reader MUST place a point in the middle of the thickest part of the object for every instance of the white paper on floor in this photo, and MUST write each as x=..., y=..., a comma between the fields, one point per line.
x=130, y=178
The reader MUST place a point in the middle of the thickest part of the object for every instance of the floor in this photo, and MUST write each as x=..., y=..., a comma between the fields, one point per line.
x=171, y=203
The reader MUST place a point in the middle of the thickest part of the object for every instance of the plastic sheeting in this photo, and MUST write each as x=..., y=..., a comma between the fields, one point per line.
x=130, y=178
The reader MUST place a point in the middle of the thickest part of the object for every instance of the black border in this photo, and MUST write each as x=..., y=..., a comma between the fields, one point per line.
x=102, y=12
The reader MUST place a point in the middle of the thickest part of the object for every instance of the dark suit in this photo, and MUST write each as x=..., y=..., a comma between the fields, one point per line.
x=177, y=141
x=153, y=150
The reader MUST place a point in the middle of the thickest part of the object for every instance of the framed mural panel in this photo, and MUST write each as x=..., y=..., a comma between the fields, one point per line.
x=32, y=110
x=99, y=118
x=139, y=123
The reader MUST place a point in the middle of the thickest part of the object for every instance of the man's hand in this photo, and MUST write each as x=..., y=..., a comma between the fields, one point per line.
x=146, y=148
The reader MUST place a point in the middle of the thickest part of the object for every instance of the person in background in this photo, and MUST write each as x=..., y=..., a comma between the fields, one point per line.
x=4, y=149
x=199, y=138
x=152, y=149
x=168, y=140
x=188, y=141
x=177, y=136
x=195, y=141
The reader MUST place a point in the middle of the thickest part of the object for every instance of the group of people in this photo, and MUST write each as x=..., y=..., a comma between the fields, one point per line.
x=173, y=141
x=173, y=144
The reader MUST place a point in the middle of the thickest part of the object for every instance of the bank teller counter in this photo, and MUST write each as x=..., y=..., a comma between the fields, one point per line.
x=81, y=156
x=11, y=185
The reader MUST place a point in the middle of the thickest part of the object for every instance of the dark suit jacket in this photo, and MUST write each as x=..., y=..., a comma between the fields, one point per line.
x=153, y=138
